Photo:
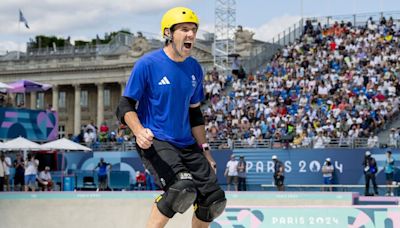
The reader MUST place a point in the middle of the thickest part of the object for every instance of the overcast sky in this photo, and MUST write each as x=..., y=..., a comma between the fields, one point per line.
x=83, y=19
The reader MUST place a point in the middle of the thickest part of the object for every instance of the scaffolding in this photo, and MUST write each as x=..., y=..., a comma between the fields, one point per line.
x=224, y=36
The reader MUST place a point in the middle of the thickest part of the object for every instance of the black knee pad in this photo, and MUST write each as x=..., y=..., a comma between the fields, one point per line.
x=179, y=196
x=211, y=207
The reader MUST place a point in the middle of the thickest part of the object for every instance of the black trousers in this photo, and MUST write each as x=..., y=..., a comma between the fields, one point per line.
x=242, y=184
x=368, y=177
x=1, y=184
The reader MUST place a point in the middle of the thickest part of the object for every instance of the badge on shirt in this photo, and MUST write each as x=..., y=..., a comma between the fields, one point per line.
x=194, y=82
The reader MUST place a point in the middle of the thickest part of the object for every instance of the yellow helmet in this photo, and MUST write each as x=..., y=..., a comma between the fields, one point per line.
x=178, y=15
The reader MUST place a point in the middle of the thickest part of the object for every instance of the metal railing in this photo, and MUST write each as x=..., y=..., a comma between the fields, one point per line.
x=290, y=34
x=265, y=143
x=259, y=56
x=89, y=50
x=295, y=31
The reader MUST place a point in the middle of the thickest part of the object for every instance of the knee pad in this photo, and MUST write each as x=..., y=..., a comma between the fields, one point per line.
x=179, y=196
x=211, y=207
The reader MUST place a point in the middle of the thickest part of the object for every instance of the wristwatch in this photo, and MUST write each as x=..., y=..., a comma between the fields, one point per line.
x=205, y=147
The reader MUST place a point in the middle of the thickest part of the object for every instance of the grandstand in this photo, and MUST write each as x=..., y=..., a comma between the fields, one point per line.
x=336, y=85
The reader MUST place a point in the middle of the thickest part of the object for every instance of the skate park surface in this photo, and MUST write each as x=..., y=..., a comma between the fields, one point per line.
x=244, y=209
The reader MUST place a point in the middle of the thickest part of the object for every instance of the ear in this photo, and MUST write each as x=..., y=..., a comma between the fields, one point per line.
x=167, y=33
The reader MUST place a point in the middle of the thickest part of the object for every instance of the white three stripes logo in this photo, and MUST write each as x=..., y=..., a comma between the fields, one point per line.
x=164, y=81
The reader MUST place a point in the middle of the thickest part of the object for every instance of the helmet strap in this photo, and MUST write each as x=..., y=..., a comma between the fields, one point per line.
x=170, y=39
x=175, y=49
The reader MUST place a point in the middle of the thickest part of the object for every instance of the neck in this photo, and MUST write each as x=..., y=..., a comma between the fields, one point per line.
x=171, y=51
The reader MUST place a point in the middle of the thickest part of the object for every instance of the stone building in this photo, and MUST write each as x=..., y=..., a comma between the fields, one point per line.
x=86, y=82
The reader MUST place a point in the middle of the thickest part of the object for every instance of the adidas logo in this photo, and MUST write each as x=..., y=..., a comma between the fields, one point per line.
x=164, y=81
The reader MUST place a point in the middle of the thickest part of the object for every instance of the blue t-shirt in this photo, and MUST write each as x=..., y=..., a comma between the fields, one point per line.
x=165, y=89
x=102, y=168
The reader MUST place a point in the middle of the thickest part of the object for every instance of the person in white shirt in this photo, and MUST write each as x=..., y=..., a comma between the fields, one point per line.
x=6, y=165
x=31, y=166
x=231, y=173
x=45, y=180
x=373, y=140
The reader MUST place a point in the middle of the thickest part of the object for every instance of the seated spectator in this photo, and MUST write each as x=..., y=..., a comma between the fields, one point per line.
x=44, y=180
x=140, y=180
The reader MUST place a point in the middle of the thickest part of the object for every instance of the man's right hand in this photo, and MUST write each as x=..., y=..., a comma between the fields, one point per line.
x=144, y=138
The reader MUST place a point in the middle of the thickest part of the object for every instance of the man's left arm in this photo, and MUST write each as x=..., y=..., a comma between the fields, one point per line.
x=199, y=132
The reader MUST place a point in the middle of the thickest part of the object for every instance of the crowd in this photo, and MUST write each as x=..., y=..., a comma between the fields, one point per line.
x=331, y=86
x=334, y=83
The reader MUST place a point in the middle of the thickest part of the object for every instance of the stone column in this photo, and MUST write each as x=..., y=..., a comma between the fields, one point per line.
x=77, y=109
x=123, y=84
x=100, y=104
x=55, y=98
x=33, y=100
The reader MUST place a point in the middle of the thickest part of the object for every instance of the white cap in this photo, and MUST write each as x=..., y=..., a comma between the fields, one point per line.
x=328, y=159
x=274, y=157
x=367, y=153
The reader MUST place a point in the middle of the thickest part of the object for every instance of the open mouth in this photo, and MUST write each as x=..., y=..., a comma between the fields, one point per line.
x=187, y=45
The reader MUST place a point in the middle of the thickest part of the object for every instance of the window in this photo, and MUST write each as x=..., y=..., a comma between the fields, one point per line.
x=61, y=99
x=106, y=98
x=61, y=131
x=40, y=100
x=20, y=99
x=84, y=98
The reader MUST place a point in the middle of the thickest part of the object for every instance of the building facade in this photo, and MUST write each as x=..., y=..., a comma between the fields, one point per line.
x=86, y=83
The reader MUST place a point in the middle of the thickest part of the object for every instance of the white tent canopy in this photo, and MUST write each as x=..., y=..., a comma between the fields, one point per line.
x=64, y=144
x=20, y=143
x=4, y=87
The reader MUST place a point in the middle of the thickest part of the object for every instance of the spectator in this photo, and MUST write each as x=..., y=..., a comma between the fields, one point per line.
x=31, y=169
x=370, y=169
x=231, y=173
x=103, y=135
x=45, y=180
x=389, y=172
x=327, y=173
x=373, y=140
x=392, y=138
x=140, y=181
x=102, y=174
x=279, y=170
x=242, y=170
x=19, y=179
x=2, y=174
x=235, y=66
x=7, y=165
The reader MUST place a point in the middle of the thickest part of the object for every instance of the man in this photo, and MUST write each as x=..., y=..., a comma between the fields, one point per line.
x=231, y=173
x=169, y=127
x=279, y=170
x=7, y=165
x=2, y=174
x=242, y=174
x=389, y=172
x=327, y=172
x=102, y=174
x=45, y=180
x=31, y=167
x=19, y=179
x=370, y=169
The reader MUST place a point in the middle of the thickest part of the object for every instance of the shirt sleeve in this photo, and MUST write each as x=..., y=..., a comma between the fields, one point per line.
x=137, y=81
x=198, y=94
